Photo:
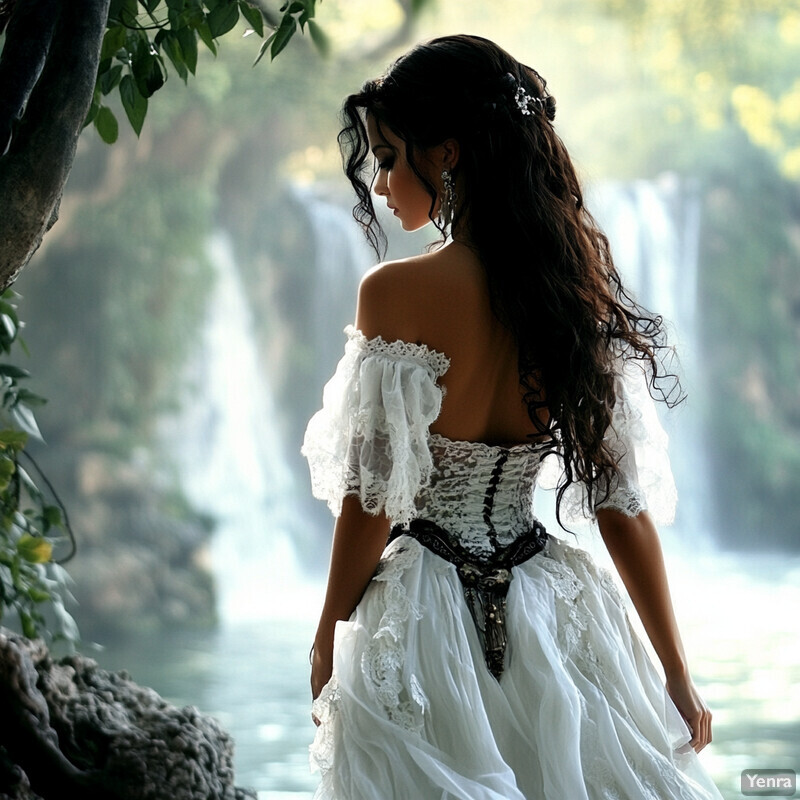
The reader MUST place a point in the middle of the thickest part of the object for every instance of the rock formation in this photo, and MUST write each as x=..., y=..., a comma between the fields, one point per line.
x=71, y=729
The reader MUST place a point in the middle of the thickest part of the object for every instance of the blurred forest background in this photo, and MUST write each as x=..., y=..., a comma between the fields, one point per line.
x=239, y=170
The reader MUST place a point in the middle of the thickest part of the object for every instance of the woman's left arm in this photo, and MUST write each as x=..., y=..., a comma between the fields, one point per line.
x=635, y=549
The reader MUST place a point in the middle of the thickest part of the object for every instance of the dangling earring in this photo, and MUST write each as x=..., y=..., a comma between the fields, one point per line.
x=447, y=206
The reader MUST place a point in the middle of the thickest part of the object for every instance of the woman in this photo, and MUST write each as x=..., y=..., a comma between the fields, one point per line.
x=476, y=656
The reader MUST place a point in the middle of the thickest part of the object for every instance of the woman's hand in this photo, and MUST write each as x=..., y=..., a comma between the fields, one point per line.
x=321, y=668
x=692, y=708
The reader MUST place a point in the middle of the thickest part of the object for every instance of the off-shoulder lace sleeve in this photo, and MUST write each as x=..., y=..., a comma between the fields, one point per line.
x=636, y=436
x=371, y=437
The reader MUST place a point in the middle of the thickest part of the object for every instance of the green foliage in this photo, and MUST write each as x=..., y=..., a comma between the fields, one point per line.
x=31, y=583
x=728, y=74
x=144, y=36
x=750, y=295
x=134, y=280
x=724, y=62
x=296, y=15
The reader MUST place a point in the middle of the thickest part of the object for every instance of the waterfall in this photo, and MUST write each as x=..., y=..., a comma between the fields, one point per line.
x=654, y=230
x=226, y=442
x=231, y=463
x=342, y=258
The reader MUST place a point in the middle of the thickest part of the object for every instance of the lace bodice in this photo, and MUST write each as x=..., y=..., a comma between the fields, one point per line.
x=372, y=438
x=482, y=494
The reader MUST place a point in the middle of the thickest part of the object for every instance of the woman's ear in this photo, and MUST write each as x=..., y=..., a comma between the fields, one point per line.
x=450, y=153
x=444, y=155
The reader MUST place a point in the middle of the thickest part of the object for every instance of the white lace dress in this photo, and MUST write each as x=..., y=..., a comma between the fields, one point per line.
x=412, y=711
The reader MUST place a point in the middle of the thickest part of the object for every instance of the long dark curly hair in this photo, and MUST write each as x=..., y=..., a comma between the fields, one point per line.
x=550, y=273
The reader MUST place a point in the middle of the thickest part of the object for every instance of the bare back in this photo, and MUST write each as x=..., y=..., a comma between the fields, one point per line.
x=440, y=299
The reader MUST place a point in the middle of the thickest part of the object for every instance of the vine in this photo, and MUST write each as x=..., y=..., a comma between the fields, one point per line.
x=33, y=582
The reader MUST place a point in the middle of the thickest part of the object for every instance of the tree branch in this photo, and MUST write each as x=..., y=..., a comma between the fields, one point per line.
x=35, y=168
x=30, y=32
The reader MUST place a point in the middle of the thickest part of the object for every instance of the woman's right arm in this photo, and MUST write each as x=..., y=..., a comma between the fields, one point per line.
x=359, y=539
x=635, y=549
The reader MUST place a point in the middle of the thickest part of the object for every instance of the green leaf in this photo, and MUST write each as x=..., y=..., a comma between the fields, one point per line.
x=308, y=13
x=52, y=516
x=156, y=77
x=9, y=327
x=93, y=109
x=194, y=14
x=106, y=124
x=15, y=571
x=172, y=47
x=13, y=371
x=123, y=12
x=27, y=480
x=38, y=595
x=147, y=69
x=284, y=33
x=133, y=102
x=265, y=45
x=25, y=419
x=30, y=398
x=12, y=438
x=28, y=625
x=9, y=311
x=109, y=80
x=67, y=627
x=113, y=41
x=188, y=42
x=320, y=38
x=7, y=468
x=223, y=18
x=253, y=16
x=204, y=32
x=6, y=581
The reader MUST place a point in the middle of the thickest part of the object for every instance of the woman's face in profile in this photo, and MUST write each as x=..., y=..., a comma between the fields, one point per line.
x=396, y=181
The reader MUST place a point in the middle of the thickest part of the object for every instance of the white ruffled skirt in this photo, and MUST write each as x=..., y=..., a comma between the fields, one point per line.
x=580, y=712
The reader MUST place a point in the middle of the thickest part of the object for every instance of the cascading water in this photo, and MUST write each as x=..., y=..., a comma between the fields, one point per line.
x=653, y=228
x=231, y=462
x=342, y=259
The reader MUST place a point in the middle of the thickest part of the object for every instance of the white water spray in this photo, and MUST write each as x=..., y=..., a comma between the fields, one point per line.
x=231, y=462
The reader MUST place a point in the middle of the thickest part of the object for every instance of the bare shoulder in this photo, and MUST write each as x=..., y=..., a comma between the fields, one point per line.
x=413, y=298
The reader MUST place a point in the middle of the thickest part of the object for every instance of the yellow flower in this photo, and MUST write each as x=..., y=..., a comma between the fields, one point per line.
x=34, y=549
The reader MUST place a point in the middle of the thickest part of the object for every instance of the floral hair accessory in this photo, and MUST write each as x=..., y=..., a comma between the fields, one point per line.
x=525, y=103
x=508, y=93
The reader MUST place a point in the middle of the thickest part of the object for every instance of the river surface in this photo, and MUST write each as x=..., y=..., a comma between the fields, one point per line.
x=738, y=615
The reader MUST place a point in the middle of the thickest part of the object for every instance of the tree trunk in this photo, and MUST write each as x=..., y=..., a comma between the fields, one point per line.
x=39, y=158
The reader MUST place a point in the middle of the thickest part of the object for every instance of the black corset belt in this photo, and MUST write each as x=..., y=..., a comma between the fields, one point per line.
x=485, y=579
